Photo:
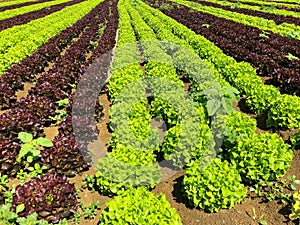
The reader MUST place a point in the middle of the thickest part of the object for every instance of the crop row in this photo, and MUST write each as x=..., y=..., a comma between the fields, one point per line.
x=267, y=7
x=8, y=3
x=278, y=16
x=241, y=75
x=286, y=1
x=27, y=17
x=14, y=12
x=18, y=5
x=284, y=29
x=21, y=41
x=271, y=10
x=289, y=5
x=245, y=43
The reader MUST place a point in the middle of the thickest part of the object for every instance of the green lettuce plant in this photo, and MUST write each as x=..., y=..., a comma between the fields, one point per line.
x=216, y=187
x=232, y=127
x=285, y=113
x=175, y=150
x=296, y=207
x=113, y=175
x=263, y=157
x=139, y=206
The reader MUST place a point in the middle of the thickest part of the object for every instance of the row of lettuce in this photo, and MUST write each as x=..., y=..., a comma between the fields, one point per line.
x=216, y=145
x=50, y=197
x=281, y=16
x=282, y=109
x=9, y=3
x=284, y=29
x=199, y=128
x=21, y=41
x=269, y=10
x=33, y=15
x=272, y=55
x=14, y=12
x=289, y=4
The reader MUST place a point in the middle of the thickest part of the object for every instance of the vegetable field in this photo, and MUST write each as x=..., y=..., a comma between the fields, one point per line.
x=149, y=112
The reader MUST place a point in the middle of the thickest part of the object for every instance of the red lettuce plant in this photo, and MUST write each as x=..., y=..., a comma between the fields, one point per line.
x=65, y=156
x=51, y=196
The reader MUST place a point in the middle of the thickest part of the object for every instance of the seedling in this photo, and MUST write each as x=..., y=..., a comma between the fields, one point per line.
x=30, y=148
x=206, y=25
x=36, y=170
x=259, y=220
x=62, y=112
x=292, y=57
x=264, y=34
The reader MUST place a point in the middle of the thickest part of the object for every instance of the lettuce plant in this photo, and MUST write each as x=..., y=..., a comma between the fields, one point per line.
x=114, y=175
x=139, y=206
x=232, y=127
x=285, y=113
x=8, y=155
x=263, y=157
x=65, y=157
x=175, y=145
x=51, y=196
x=296, y=207
x=216, y=187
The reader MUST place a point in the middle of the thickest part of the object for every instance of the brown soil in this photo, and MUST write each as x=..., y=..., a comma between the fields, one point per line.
x=24, y=92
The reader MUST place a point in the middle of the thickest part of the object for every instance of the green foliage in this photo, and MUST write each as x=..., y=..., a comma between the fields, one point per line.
x=285, y=113
x=121, y=78
x=214, y=97
x=216, y=187
x=261, y=98
x=165, y=6
x=90, y=211
x=156, y=69
x=18, y=42
x=88, y=182
x=175, y=150
x=3, y=182
x=163, y=109
x=261, y=157
x=130, y=122
x=61, y=112
x=279, y=190
x=264, y=34
x=232, y=127
x=296, y=206
x=36, y=170
x=139, y=119
x=295, y=140
x=114, y=176
x=132, y=156
x=30, y=148
x=8, y=217
x=293, y=34
x=291, y=57
x=139, y=206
